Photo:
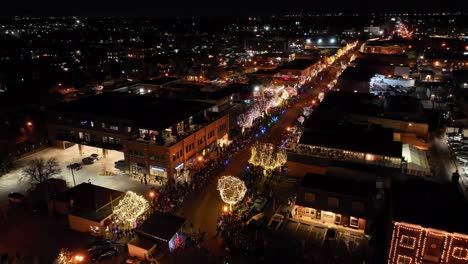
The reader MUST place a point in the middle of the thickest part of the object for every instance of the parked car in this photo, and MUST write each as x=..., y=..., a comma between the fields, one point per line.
x=15, y=198
x=256, y=220
x=95, y=156
x=107, y=254
x=75, y=166
x=260, y=203
x=87, y=161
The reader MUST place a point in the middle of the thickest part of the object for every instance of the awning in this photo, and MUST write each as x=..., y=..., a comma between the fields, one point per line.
x=416, y=158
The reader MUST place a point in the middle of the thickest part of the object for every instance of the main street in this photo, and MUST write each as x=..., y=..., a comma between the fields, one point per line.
x=204, y=207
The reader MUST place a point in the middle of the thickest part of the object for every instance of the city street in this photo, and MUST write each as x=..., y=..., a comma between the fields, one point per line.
x=203, y=209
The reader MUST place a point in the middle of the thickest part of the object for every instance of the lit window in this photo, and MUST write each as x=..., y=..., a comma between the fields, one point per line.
x=460, y=253
x=407, y=242
x=114, y=128
x=404, y=260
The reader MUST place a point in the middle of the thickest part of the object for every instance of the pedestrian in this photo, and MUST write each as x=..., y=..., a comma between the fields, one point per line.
x=141, y=180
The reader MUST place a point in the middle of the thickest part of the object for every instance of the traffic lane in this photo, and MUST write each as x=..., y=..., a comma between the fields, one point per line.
x=204, y=207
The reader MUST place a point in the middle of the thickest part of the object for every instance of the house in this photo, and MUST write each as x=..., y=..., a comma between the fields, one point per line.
x=87, y=206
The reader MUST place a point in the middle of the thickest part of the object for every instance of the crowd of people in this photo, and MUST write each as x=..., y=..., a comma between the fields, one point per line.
x=174, y=193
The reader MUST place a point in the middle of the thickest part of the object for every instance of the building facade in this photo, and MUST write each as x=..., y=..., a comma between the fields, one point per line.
x=158, y=137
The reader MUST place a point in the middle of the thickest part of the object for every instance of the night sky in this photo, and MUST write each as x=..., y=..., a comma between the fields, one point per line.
x=155, y=8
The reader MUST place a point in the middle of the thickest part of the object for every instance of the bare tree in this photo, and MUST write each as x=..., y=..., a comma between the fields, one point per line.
x=38, y=172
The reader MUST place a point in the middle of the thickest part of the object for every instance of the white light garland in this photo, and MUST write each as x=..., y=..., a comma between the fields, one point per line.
x=64, y=257
x=231, y=189
x=267, y=156
x=131, y=207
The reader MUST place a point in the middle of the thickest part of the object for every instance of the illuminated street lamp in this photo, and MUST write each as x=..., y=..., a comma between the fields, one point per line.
x=78, y=258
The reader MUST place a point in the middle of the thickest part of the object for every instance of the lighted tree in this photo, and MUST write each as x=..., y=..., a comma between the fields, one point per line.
x=268, y=157
x=131, y=207
x=231, y=189
x=64, y=257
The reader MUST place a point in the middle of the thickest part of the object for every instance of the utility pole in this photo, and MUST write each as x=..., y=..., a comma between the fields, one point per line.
x=73, y=176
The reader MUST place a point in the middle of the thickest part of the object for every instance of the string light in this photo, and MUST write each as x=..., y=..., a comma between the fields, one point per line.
x=64, y=257
x=454, y=246
x=131, y=207
x=267, y=156
x=231, y=189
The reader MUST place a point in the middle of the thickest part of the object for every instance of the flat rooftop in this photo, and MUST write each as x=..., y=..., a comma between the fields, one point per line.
x=335, y=184
x=160, y=80
x=299, y=64
x=363, y=139
x=145, y=111
x=430, y=204
x=357, y=74
x=89, y=196
x=161, y=226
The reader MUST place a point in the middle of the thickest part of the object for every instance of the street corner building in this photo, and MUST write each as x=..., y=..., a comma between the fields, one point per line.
x=158, y=135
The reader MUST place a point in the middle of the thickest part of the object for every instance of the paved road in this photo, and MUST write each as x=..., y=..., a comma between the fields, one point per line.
x=203, y=209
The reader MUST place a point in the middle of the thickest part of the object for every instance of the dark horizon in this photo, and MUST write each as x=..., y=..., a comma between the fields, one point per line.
x=152, y=10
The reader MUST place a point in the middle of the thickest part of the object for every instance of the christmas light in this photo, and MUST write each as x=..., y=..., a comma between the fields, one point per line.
x=231, y=189
x=131, y=207
x=267, y=156
x=64, y=257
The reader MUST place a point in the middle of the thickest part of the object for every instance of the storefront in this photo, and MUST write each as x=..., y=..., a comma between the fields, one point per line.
x=158, y=172
x=328, y=218
x=137, y=168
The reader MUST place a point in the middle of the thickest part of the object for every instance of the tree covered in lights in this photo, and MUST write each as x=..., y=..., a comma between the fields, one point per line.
x=130, y=207
x=231, y=189
x=268, y=157
x=64, y=257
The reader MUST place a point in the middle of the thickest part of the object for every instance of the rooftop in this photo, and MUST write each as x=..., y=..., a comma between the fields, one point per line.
x=357, y=74
x=160, y=80
x=335, y=184
x=89, y=196
x=161, y=226
x=144, y=111
x=430, y=204
x=299, y=64
x=373, y=140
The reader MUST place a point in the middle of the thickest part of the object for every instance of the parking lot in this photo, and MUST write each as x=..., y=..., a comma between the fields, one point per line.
x=101, y=172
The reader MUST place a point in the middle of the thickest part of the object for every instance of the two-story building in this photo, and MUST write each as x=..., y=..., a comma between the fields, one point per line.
x=158, y=136
x=337, y=202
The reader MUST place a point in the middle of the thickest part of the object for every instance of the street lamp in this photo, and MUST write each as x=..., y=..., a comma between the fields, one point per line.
x=78, y=258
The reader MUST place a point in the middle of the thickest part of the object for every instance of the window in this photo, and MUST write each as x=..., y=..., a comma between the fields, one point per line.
x=460, y=253
x=92, y=124
x=222, y=127
x=129, y=129
x=354, y=222
x=357, y=207
x=115, y=128
x=333, y=202
x=404, y=260
x=136, y=153
x=407, y=242
x=105, y=140
x=103, y=125
x=309, y=197
x=211, y=134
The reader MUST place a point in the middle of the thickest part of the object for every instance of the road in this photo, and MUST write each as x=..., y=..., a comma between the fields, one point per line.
x=202, y=210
